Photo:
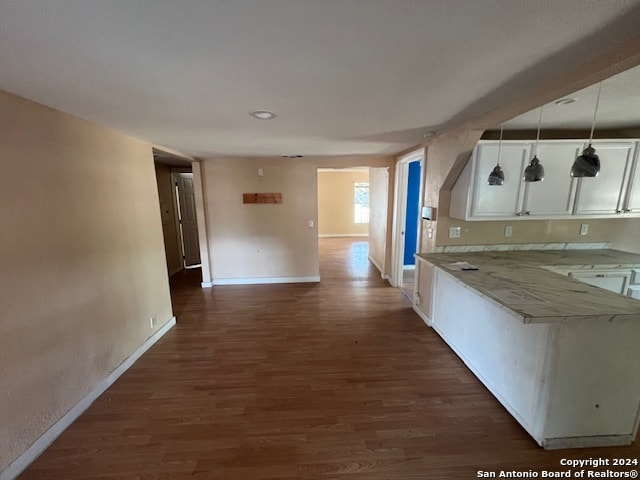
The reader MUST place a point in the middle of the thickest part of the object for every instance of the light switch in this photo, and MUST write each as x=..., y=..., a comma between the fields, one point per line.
x=508, y=231
x=454, y=232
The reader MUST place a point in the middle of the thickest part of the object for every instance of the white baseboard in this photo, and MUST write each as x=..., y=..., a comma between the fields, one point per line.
x=47, y=438
x=380, y=269
x=263, y=280
x=336, y=235
x=206, y=284
x=422, y=315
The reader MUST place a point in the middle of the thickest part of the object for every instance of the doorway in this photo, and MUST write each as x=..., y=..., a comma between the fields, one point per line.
x=406, y=224
x=186, y=219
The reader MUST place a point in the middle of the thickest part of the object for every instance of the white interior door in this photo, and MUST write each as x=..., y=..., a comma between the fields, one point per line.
x=187, y=219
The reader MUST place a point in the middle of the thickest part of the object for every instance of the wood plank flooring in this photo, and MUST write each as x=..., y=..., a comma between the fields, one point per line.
x=337, y=380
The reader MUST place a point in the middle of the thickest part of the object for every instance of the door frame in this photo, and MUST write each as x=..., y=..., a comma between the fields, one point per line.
x=400, y=213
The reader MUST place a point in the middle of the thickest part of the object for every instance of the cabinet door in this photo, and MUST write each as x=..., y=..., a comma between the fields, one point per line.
x=603, y=194
x=613, y=281
x=632, y=204
x=553, y=196
x=498, y=200
x=634, y=291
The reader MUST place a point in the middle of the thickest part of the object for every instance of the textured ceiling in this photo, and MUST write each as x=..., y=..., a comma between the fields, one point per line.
x=343, y=76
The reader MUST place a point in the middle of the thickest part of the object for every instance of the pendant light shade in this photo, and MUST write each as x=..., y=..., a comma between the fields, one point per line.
x=588, y=164
x=535, y=171
x=496, y=177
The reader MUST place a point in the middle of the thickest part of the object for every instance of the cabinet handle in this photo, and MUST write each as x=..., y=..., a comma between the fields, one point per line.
x=627, y=210
x=527, y=213
x=519, y=214
x=601, y=275
x=618, y=211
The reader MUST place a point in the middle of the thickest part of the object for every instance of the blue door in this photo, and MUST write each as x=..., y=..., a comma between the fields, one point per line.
x=412, y=218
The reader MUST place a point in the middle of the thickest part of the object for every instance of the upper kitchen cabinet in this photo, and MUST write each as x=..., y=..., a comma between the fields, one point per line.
x=554, y=196
x=631, y=204
x=605, y=193
x=472, y=198
x=614, y=192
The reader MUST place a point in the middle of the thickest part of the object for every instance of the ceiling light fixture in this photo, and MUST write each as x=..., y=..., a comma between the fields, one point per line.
x=496, y=177
x=262, y=114
x=535, y=171
x=588, y=164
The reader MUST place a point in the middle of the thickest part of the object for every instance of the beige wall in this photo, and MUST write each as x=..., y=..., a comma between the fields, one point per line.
x=335, y=203
x=82, y=262
x=628, y=236
x=529, y=231
x=381, y=198
x=249, y=242
x=167, y=211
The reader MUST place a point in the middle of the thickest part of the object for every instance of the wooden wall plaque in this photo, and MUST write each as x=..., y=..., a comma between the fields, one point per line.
x=261, y=198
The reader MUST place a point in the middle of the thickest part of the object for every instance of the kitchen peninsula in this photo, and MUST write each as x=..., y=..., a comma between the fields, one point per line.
x=561, y=355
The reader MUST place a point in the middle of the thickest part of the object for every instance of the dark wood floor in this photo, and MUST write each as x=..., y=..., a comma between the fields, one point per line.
x=337, y=380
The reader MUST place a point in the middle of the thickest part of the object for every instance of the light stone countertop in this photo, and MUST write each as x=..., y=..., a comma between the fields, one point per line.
x=521, y=282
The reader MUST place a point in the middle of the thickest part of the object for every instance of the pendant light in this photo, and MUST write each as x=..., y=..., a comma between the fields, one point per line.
x=588, y=164
x=496, y=177
x=535, y=171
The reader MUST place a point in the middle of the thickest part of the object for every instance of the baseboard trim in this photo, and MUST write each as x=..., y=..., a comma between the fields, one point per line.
x=422, y=315
x=206, y=284
x=36, y=449
x=337, y=235
x=377, y=265
x=264, y=280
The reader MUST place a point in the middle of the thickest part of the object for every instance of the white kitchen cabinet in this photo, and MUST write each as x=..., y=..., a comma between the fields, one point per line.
x=633, y=291
x=484, y=201
x=615, y=281
x=553, y=196
x=615, y=191
x=632, y=201
x=604, y=194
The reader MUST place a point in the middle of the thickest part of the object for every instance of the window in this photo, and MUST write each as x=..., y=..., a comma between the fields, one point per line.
x=361, y=202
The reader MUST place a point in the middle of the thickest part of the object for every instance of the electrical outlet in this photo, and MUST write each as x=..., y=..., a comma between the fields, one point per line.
x=584, y=229
x=454, y=232
x=152, y=322
x=508, y=231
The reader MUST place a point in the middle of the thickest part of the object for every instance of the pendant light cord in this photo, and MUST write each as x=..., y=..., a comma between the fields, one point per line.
x=595, y=111
x=538, y=134
x=500, y=144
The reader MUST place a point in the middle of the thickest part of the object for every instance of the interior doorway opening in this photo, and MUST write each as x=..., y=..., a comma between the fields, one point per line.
x=407, y=226
x=174, y=177
x=344, y=205
x=186, y=219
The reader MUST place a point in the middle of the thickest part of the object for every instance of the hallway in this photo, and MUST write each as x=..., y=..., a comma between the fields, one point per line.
x=336, y=380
